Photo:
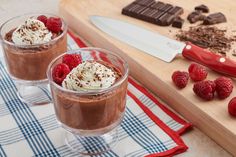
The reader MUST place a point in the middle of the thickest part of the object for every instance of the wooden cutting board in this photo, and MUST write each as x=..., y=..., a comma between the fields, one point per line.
x=211, y=117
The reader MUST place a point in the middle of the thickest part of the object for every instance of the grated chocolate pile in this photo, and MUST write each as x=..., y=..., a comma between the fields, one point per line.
x=210, y=37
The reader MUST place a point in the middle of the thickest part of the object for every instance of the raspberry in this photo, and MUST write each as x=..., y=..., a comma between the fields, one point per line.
x=197, y=72
x=72, y=60
x=232, y=107
x=54, y=24
x=204, y=89
x=180, y=78
x=224, y=87
x=43, y=19
x=60, y=72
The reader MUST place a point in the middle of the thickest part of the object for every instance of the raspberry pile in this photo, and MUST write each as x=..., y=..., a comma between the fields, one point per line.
x=206, y=90
x=61, y=70
x=195, y=71
x=53, y=24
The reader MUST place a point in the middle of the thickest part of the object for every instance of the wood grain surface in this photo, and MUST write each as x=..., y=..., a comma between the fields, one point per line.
x=212, y=116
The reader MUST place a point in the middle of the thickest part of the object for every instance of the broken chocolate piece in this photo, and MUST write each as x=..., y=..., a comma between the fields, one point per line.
x=178, y=22
x=195, y=16
x=203, y=8
x=214, y=19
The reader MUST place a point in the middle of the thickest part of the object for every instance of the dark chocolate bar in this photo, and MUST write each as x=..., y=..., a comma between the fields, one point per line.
x=160, y=13
x=214, y=19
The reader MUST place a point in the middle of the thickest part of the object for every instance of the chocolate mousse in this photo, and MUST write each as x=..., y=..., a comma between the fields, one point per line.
x=31, y=46
x=100, y=101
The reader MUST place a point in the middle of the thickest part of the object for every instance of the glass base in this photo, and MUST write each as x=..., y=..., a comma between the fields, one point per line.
x=34, y=94
x=91, y=145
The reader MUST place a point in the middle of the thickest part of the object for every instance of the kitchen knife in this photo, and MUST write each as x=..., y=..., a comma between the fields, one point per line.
x=162, y=47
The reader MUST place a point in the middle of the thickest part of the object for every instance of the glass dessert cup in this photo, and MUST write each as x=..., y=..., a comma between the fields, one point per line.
x=27, y=64
x=91, y=117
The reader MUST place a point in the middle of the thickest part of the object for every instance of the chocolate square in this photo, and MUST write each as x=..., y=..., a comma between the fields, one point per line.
x=165, y=20
x=178, y=22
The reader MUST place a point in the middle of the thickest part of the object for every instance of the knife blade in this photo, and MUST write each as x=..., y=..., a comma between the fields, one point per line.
x=162, y=47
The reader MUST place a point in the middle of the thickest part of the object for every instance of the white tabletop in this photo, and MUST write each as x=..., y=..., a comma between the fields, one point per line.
x=199, y=144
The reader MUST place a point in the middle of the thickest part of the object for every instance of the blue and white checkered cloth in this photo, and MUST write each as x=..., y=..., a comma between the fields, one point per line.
x=148, y=128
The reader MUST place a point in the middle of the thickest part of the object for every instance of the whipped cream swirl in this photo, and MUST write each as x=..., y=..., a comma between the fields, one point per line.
x=32, y=31
x=90, y=75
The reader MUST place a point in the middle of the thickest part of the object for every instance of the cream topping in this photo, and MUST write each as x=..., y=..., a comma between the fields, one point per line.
x=32, y=31
x=89, y=75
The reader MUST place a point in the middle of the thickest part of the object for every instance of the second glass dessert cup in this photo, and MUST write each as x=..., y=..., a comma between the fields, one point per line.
x=27, y=64
x=91, y=117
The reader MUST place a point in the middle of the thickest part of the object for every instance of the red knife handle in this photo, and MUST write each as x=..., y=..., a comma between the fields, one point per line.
x=209, y=59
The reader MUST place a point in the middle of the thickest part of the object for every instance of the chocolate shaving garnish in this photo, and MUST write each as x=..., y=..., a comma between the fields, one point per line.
x=80, y=77
x=99, y=79
x=209, y=37
x=34, y=27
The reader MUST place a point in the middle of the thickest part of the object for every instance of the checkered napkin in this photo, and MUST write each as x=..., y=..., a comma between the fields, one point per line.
x=148, y=129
